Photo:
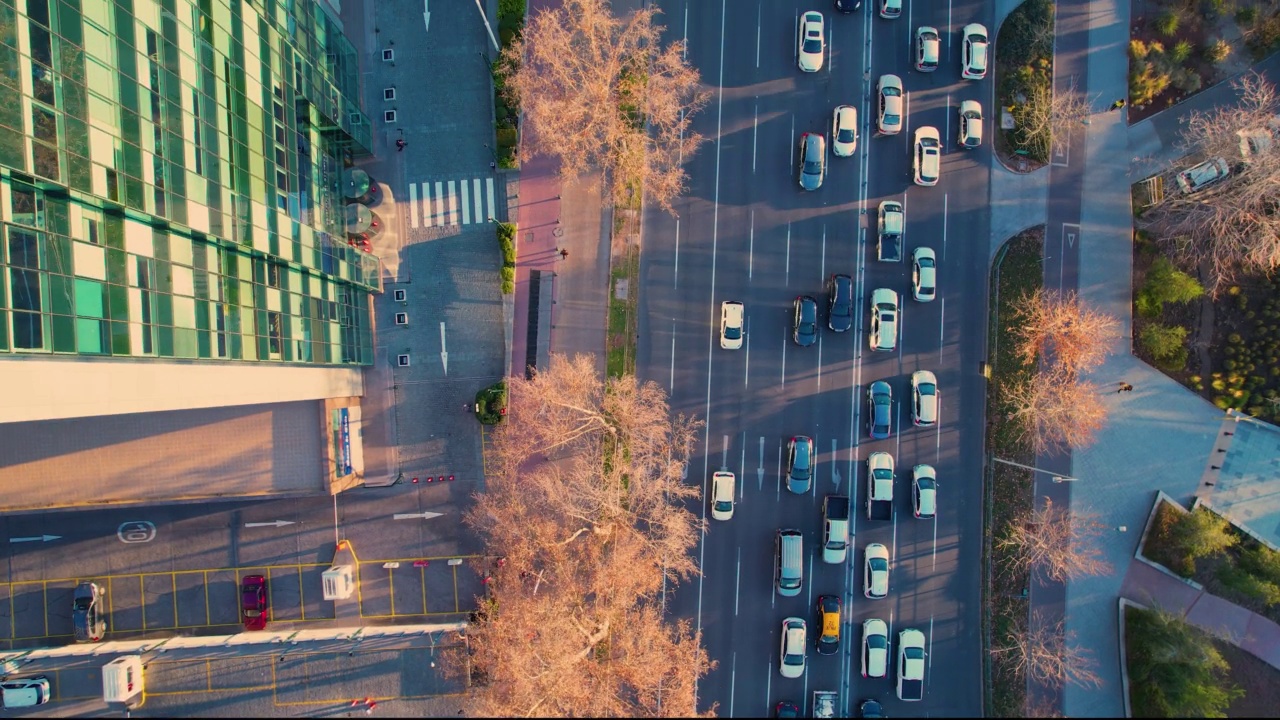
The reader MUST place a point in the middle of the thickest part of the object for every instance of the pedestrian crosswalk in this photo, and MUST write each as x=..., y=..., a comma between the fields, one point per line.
x=436, y=203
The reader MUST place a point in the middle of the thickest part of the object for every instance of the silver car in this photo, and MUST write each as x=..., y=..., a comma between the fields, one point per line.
x=813, y=160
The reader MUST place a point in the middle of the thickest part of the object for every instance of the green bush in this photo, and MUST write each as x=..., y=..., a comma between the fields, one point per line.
x=1186, y=79
x=508, y=287
x=510, y=9
x=1162, y=341
x=506, y=240
x=1174, y=669
x=1165, y=283
x=1177, y=362
x=508, y=273
x=1246, y=15
x=508, y=137
x=1201, y=533
x=1249, y=585
x=1262, y=561
x=1217, y=51
x=1181, y=52
x=491, y=403
x=1146, y=82
x=1167, y=22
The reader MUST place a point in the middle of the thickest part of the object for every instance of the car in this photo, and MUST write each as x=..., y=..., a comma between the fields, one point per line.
x=892, y=99
x=870, y=708
x=848, y=6
x=911, y=665
x=24, y=692
x=875, y=576
x=1197, y=177
x=732, y=314
x=884, y=319
x=722, y=494
x=927, y=48
x=813, y=160
x=928, y=159
x=924, y=398
x=829, y=621
x=804, y=327
x=253, y=602
x=875, y=648
x=973, y=52
x=970, y=135
x=844, y=131
x=799, y=464
x=924, y=274
x=811, y=45
x=879, y=410
x=924, y=491
x=786, y=709
x=794, y=647
x=840, y=303
x=890, y=9
x=88, y=621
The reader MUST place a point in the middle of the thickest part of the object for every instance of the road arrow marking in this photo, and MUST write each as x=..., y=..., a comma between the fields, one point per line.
x=273, y=523
x=426, y=16
x=36, y=538
x=444, y=351
x=421, y=515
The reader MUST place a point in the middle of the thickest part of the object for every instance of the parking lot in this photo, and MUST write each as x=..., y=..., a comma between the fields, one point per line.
x=207, y=601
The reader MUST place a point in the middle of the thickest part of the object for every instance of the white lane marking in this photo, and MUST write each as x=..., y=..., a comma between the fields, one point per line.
x=488, y=184
x=784, y=358
x=759, y=10
x=737, y=588
x=822, y=263
x=819, y=358
x=675, y=278
x=440, y=211
x=453, y=203
x=733, y=673
x=946, y=121
x=791, y=143
x=944, y=227
x=671, y=386
x=478, y=197
x=413, y=205
x=942, y=331
x=715, y=218
x=686, y=32
x=760, y=467
x=466, y=204
x=928, y=655
x=746, y=366
x=755, y=133
x=751, y=245
x=778, y=493
x=786, y=276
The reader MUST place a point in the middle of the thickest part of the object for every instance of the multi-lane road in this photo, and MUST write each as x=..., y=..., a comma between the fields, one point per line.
x=746, y=231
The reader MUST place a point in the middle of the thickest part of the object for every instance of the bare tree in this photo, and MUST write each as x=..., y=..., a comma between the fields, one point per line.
x=1060, y=329
x=1047, y=655
x=607, y=93
x=1047, y=115
x=1054, y=410
x=584, y=499
x=1231, y=226
x=1055, y=542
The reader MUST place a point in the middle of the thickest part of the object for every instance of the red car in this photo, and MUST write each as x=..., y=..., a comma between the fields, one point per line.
x=253, y=602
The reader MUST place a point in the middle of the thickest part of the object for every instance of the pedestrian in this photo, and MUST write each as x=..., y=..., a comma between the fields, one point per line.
x=400, y=143
x=1118, y=104
x=1125, y=387
x=564, y=254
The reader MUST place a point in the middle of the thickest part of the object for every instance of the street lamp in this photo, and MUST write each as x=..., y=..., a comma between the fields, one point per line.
x=1056, y=477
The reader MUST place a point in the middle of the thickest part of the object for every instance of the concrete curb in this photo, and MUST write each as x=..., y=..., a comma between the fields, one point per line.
x=1124, y=656
x=1137, y=555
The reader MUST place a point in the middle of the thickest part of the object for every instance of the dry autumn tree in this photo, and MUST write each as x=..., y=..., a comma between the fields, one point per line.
x=585, y=500
x=1231, y=226
x=1048, y=115
x=1053, y=410
x=607, y=93
x=1054, y=542
x=1048, y=655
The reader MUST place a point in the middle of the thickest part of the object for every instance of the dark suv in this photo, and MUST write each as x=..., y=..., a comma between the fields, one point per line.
x=840, y=303
x=799, y=464
x=804, y=328
x=87, y=620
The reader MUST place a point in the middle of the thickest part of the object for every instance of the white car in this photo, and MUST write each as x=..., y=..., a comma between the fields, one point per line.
x=892, y=99
x=844, y=131
x=811, y=45
x=928, y=46
x=924, y=398
x=1196, y=177
x=875, y=575
x=731, y=317
x=890, y=9
x=924, y=491
x=970, y=135
x=884, y=319
x=875, y=648
x=928, y=160
x=910, y=665
x=794, y=646
x=924, y=274
x=722, y=494
x=974, y=52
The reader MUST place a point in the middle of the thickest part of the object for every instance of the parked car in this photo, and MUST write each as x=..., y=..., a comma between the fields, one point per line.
x=1198, y=177
x=253, y=602
x=88, y=620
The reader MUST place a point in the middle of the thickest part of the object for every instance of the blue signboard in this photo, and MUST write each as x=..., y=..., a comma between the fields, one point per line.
x=344, y=455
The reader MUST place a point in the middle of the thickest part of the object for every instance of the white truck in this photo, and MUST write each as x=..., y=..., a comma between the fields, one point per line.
x=879, y=486
x=889, y=232
x=824, y=703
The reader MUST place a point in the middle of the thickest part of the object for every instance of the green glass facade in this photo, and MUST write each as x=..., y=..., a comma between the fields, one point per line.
x=170, y=182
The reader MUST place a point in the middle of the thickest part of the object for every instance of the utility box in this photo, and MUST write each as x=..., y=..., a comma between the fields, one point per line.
x=339, y=582
x=122, y=681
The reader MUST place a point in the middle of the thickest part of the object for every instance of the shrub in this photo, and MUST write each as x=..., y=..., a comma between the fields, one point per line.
x=1175, y=669
x=1177, y=362
x=1180, y=52
x=1186, y=79
x=1200, y=533
x=1262, y=561
x=508, y=287
x=1247, y=15
x=1217, y=51
x=1251, y=586
x=491, y=403
x=1167, y=23
x=1167, y=284
x=1146, y=82
x=508, y=273
x=1162, y=341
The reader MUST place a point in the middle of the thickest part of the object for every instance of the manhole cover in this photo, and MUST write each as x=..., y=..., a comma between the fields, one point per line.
x=558, y=232
x=620, y=288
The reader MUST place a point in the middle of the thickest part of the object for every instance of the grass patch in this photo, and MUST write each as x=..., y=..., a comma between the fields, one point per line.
x=506, y=113
x=1175, y=669
x=1024, y=64
x=1159, y=546
x=1018, y=271
x=620, y=341
x=507, y=242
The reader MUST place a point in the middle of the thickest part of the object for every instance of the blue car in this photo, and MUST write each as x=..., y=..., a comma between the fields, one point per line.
x=799, y=464
x=879, y=410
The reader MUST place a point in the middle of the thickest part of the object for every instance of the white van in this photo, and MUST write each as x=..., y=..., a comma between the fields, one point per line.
x=122, y=680
x=789, y=561
x=25, y=692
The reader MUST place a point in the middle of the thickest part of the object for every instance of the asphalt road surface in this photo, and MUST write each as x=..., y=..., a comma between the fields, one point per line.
x=746, y=231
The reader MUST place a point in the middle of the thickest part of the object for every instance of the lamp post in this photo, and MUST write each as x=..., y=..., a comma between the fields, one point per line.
x=1056, y=477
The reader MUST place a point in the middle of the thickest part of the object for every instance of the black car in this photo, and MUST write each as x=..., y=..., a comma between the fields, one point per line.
x=786, y=709
x=804, y=329
x=87, y=621
x=848, y=6
x=870, y=709
x=840, y=303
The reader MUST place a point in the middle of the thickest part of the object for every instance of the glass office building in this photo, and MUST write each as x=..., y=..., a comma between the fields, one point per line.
x=170, y=182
